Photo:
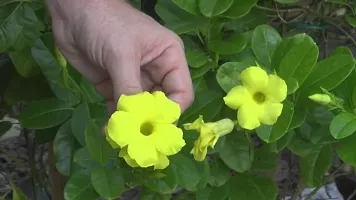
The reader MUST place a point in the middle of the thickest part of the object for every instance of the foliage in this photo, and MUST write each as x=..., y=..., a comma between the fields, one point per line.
x=221, y=38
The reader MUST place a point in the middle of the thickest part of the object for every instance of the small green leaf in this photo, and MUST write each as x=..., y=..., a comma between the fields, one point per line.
x=351, y=21
x=79, y=120
x=314, y=165
x=235, y=43
x=228, y=75
x=4, y=127
x=265, y=40
x=24, y=63
x=199, y=72
x=199, y=84
x=190, y=6
x=207, y=103
x=79, y=187
x=45, y=114
x=239, y=8
x=108, y=183
x=300, y=114
x=63, y=149
x=248, y=22
x=276, y=131
x=252, y=186
x=211, y=8
x=196, y=58
x=165, y=185
x=301, y=146
x=292, y=85
x=264, y=159
x=236, y=152
x=219, y=173
x=83, y=158
x=97, y=145
x=329, y=73
x=321, y=135
x=187, y=173
x=343, y=125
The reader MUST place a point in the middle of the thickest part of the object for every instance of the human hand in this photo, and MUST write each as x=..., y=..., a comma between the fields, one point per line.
x=120, y=49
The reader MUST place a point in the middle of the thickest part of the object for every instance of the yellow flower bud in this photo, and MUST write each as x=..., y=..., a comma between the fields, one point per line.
x=323, y=99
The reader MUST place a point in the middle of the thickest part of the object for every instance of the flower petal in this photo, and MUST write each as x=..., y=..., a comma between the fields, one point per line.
x=167, y=138
x=123, y=128
x=162, y=163
x=199, y=151
x=270, y=113
x=131, y=162
x=248, y=116
x=142, y=104
x=255, y=79
x=143, y=151
x=276, y=90
x=236, y=97
x=167, y=110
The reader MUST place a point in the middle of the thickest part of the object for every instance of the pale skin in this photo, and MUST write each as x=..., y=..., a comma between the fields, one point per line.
x=120, y=49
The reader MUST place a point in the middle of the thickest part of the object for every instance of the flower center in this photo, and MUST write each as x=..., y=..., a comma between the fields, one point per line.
x=259, y=97
x=146, y=128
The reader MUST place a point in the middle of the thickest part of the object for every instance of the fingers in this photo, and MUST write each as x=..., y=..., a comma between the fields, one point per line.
x=172, y=71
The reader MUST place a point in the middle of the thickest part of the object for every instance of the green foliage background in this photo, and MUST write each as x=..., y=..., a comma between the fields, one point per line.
x=221, y=38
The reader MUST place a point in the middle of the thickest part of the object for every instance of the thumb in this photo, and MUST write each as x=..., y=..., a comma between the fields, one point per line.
x=124, y=71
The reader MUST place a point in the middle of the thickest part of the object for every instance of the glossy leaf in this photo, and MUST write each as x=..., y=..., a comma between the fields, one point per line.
x=79, y=120
x=219, y=173
x=329, y=73
x=63, y=149
x=247, y=22
x=108, y=183
x=90, y=95
x=45, y=114
x=236, y=152
x=345, y=150
x=264, y=42
x=210, y=8
x=165, y=185
x=187, y=173
x=199, y=72
x=252, y=186
x=207, y=103
x=228, y=75
x=196, y=58
x=97, y=145
x=24, y=63
x=282, y=143
x=351, y=21
x=314, y=165
x=300, y=146
x=83, y=158
x=79, y=187
x=264, y=159
x=4, y=127
x=343, y=125
x=239, y=8
x=14, y=19
x=235, y=43
x=276, y=131
x=190, y=6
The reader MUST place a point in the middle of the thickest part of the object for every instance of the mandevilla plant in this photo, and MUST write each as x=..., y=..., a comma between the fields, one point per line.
x=259, y=90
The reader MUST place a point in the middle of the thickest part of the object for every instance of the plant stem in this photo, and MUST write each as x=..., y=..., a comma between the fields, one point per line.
x=352, y=195
x=279, y=10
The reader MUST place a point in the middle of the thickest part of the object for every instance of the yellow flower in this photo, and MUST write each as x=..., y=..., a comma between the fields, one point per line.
x=143, y=128
x=209, y=135
x=323, y=99
x=258, y=99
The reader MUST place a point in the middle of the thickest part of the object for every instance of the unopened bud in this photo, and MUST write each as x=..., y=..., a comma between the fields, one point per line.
x=323, y=99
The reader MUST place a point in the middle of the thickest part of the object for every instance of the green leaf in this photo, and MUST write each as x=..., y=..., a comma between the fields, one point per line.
x=351, y=21
x=4, y=127
x=19, y=28
x=300, y=114
x=264, y=42
x=248, y=22
x=236, y=152
x=252, y=186
x=345, y=148
x=79, y=187
x=321, y=135
x=228, y=75
x=79, y=120
x=343, y=125
x=199, y=72
x=97, y=145
x=295, y=57
x=63, y=149
x=186, y=171
x=199, y=84
x=108, y=183
x=300, y=146
x=233, y=44
x=314, y=165
x=219, y=173
x=282, y=143
x=329, y=73
x=196, y=58
x=165, y=185
x=90, y=95
x=83, y=158
x=264, y=159
x=190, y=6
x=341, y=50
x=45, y=114
x=43, y=136
x=24, y=63
x=211, y=8
x=276, y=131
x=239, y=8
x=207, y=103
x=292, y=85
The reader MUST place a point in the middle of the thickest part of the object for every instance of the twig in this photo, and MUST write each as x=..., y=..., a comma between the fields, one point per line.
x=30, y=149
x=351, y=195
x=279, y=10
